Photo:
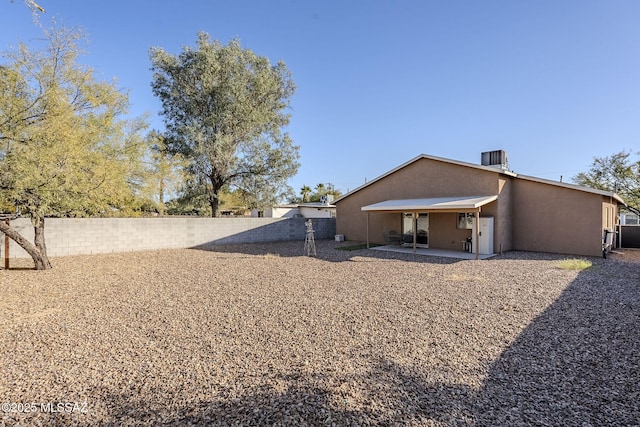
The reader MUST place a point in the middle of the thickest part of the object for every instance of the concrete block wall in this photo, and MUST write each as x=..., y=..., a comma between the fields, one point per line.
x=83, y=236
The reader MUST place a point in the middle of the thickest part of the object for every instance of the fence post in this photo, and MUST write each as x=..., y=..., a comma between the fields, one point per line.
x=6, y=249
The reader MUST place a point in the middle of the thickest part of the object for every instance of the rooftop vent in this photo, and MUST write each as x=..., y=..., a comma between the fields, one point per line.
x=497, y=158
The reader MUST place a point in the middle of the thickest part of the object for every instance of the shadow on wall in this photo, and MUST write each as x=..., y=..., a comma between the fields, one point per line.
x=577, y=363
x=287, y=230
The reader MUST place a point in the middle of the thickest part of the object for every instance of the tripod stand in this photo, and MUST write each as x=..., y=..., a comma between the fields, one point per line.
x=309, y=240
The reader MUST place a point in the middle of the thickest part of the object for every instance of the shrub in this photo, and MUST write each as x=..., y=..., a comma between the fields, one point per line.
x=574, y=264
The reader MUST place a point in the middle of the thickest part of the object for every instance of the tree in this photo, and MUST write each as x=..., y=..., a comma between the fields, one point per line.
x=165, y=176
x=35, y=7
x=321, y=189
x=224, y=110
x=305, y=192
x=64, y=149
x=616, y=173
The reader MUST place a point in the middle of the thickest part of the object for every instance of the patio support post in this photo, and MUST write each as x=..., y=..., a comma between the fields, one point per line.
x=414, y=218
x=477, y=234
x=367, y=230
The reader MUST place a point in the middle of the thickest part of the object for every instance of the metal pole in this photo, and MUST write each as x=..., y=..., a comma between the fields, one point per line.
x=367, y=230
x=415, y=233
x=6, y=249
x=478, y=234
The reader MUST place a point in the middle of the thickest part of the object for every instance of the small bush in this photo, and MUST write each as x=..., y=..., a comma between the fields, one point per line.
x=574, y=264
x=270, y=255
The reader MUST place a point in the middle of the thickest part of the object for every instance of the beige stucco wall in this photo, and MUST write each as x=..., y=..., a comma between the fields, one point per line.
x=443, y=233
x=548, y=218
x=423, y=178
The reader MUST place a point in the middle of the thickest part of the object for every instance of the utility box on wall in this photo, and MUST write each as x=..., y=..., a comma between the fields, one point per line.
x=485, y=237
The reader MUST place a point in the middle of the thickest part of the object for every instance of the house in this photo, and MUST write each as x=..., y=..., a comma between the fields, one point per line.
x=299, y=210
x=482, y=208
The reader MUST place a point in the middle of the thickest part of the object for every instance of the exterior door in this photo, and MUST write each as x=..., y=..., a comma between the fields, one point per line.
x=418, y=222
x=485, y=236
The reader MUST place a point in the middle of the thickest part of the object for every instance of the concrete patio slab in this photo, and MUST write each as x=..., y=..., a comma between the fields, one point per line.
x=432, y=252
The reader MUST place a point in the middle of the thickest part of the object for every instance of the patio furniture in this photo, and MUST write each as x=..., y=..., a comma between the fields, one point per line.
x=392, y=237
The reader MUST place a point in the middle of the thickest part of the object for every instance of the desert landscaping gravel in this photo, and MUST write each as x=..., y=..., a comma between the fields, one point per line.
x=261, y=335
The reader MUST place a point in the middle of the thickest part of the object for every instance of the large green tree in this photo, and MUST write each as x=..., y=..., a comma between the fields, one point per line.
x=225, y=109
x=65, y=149
x=165, y=177
x=618, y=173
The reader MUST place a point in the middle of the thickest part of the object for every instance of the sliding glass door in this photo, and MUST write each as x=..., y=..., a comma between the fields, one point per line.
x=419, y=222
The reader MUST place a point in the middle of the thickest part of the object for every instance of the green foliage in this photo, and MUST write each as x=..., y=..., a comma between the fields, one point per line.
x=35, y=7
x=309, y=195
x=305, y=192
x=224, y=112
x=65, y=149
x=616, y=173
x=574, y=264
x=165, y=176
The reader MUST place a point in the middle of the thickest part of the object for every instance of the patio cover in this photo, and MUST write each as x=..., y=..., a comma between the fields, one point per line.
x=437, y=204
x=433, y=204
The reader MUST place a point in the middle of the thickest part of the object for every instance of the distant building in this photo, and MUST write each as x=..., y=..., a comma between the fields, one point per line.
x=298, y=210
x=629, y=219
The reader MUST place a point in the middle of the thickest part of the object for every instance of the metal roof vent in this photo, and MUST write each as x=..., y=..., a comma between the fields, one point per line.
x=496, y=158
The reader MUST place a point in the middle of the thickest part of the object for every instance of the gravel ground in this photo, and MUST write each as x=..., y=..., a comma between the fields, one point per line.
x=260, y=335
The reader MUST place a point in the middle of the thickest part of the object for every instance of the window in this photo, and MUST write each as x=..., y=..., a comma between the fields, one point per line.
x=465, y=221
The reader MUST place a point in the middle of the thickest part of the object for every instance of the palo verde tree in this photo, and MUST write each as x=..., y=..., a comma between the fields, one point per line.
x=614, y=173
x=65, y=149
x=224, y=110
x=35, y=7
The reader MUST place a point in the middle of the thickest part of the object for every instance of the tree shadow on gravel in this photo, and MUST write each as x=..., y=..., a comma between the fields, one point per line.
x=576, y=364
x=388, y=395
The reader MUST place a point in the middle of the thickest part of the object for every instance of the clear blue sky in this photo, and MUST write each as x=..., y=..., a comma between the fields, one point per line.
x=554, y=83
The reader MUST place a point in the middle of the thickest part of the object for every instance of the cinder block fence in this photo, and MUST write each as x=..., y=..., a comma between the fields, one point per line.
x=81, y=236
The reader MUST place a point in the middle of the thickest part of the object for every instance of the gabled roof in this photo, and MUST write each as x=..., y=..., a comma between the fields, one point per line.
x=489, y=169
x=316, y=205
x=573, y=187
x=432, y=204
x=306, y=205
x=425, y=156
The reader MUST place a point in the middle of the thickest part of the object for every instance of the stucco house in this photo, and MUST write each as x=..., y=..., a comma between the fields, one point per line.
x=481, y=208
